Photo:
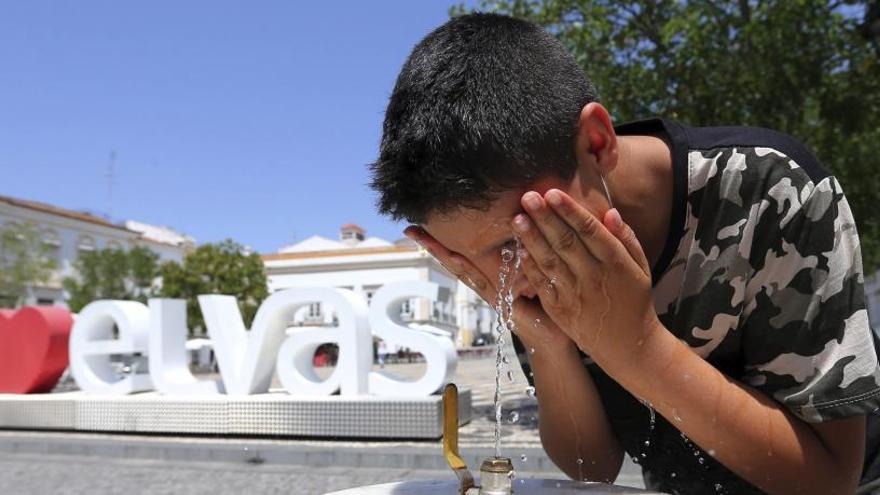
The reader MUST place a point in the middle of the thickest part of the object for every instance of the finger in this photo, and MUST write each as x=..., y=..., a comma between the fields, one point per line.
x=546, y=287
x=455, y=263
x=559, y=235
x=545, y=258
x=628, y=238
x=597, y=239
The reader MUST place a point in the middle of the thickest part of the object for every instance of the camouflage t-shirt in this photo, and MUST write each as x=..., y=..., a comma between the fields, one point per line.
x=762, y=277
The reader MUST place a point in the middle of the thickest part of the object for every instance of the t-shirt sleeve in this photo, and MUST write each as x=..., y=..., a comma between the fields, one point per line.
x=806, y=337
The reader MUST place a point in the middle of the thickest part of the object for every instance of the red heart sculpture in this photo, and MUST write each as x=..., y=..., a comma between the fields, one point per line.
x=33, y=348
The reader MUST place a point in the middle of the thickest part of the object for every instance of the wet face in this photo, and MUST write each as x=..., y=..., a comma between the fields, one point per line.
x=480, y=235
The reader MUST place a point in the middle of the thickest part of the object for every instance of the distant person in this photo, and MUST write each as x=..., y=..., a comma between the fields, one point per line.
x=722, y=290
x=382, y=353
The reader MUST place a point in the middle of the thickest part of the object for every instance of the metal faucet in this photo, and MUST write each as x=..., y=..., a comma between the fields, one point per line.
x=495, y=472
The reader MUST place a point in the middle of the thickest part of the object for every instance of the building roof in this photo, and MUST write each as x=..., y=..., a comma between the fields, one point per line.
x=314, y=243
x=318, y=246
x=54, y=210
x=160, y=235
x=344, y=251
x=373, y=242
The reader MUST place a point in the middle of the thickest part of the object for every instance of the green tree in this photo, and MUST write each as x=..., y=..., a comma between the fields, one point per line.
x=806, y=67
x=112, y=274
x=221, y=268
x=25, y=261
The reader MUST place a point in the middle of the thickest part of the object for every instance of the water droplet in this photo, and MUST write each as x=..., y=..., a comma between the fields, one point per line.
x=522, y=481
x=635, y=460
x=523, y=457
x=511, y=474
x=505, y=359
x=644, y=455
x=507, y=255
x=513, y=418
x=580, y=461
x=696, y=453
x=719, y=487
x=531, y=373
x=672, y=474
x=701, y=460
x=676, y=416
x=531, y=350
x=530, y=391
x=647, y=443
x=712, y=452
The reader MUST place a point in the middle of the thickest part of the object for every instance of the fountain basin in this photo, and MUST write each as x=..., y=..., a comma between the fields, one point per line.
x=520, y=487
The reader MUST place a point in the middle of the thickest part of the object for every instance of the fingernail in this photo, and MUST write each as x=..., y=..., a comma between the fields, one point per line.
x=614, y=219
x=532, y=200
x=520, y=223
x=554, y=197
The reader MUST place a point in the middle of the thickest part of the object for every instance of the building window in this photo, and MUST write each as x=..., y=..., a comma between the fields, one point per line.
x=52, y=244
x=86, y=244
x=369, y=291
x=352, y=235
x=45, y=302
x=314, y=313
x=406, y=309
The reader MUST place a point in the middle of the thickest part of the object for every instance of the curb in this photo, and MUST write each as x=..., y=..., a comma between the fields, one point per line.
x=396, y=455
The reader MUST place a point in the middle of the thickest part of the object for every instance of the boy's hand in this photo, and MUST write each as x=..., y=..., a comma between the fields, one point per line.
x=533, y=325
x=591, y=275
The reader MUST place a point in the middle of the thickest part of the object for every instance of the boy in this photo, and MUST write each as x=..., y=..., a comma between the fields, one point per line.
x=723, y=289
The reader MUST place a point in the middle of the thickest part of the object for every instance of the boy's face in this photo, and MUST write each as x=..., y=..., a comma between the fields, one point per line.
x=480, y=235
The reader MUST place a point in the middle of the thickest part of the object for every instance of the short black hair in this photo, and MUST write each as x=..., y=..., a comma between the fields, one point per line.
x=484, y=103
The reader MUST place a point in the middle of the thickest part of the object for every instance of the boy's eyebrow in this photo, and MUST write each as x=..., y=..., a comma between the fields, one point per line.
x=496, y=247
x=493, y=243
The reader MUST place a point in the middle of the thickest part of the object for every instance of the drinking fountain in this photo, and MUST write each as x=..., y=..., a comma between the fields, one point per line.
x=496, y=473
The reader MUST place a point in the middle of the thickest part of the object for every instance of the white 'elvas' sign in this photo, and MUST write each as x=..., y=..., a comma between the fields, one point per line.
x=247, y=359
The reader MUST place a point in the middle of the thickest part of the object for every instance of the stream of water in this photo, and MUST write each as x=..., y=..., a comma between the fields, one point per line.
x=503, y=324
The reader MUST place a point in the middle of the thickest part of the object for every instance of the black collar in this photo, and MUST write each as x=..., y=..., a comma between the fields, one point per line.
x=676, y=134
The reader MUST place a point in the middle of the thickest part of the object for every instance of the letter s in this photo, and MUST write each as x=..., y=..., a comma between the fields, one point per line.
x=439, y=352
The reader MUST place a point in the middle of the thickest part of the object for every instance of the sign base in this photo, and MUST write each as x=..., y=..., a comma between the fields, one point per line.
x=272, y=414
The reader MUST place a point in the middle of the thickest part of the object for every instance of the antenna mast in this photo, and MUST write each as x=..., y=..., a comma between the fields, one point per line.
x=111, y=181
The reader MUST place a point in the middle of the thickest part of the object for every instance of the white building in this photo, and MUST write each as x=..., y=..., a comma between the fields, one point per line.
x=363, y=265
x=67, y=233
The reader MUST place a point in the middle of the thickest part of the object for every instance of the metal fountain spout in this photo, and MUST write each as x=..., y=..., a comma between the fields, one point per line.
x=495, y=472
x=450, y=440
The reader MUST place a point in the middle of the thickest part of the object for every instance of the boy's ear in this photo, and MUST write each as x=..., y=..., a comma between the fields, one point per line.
x=596, y=142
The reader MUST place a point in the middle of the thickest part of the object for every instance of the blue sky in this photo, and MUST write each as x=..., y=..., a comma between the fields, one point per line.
x=249, y=120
